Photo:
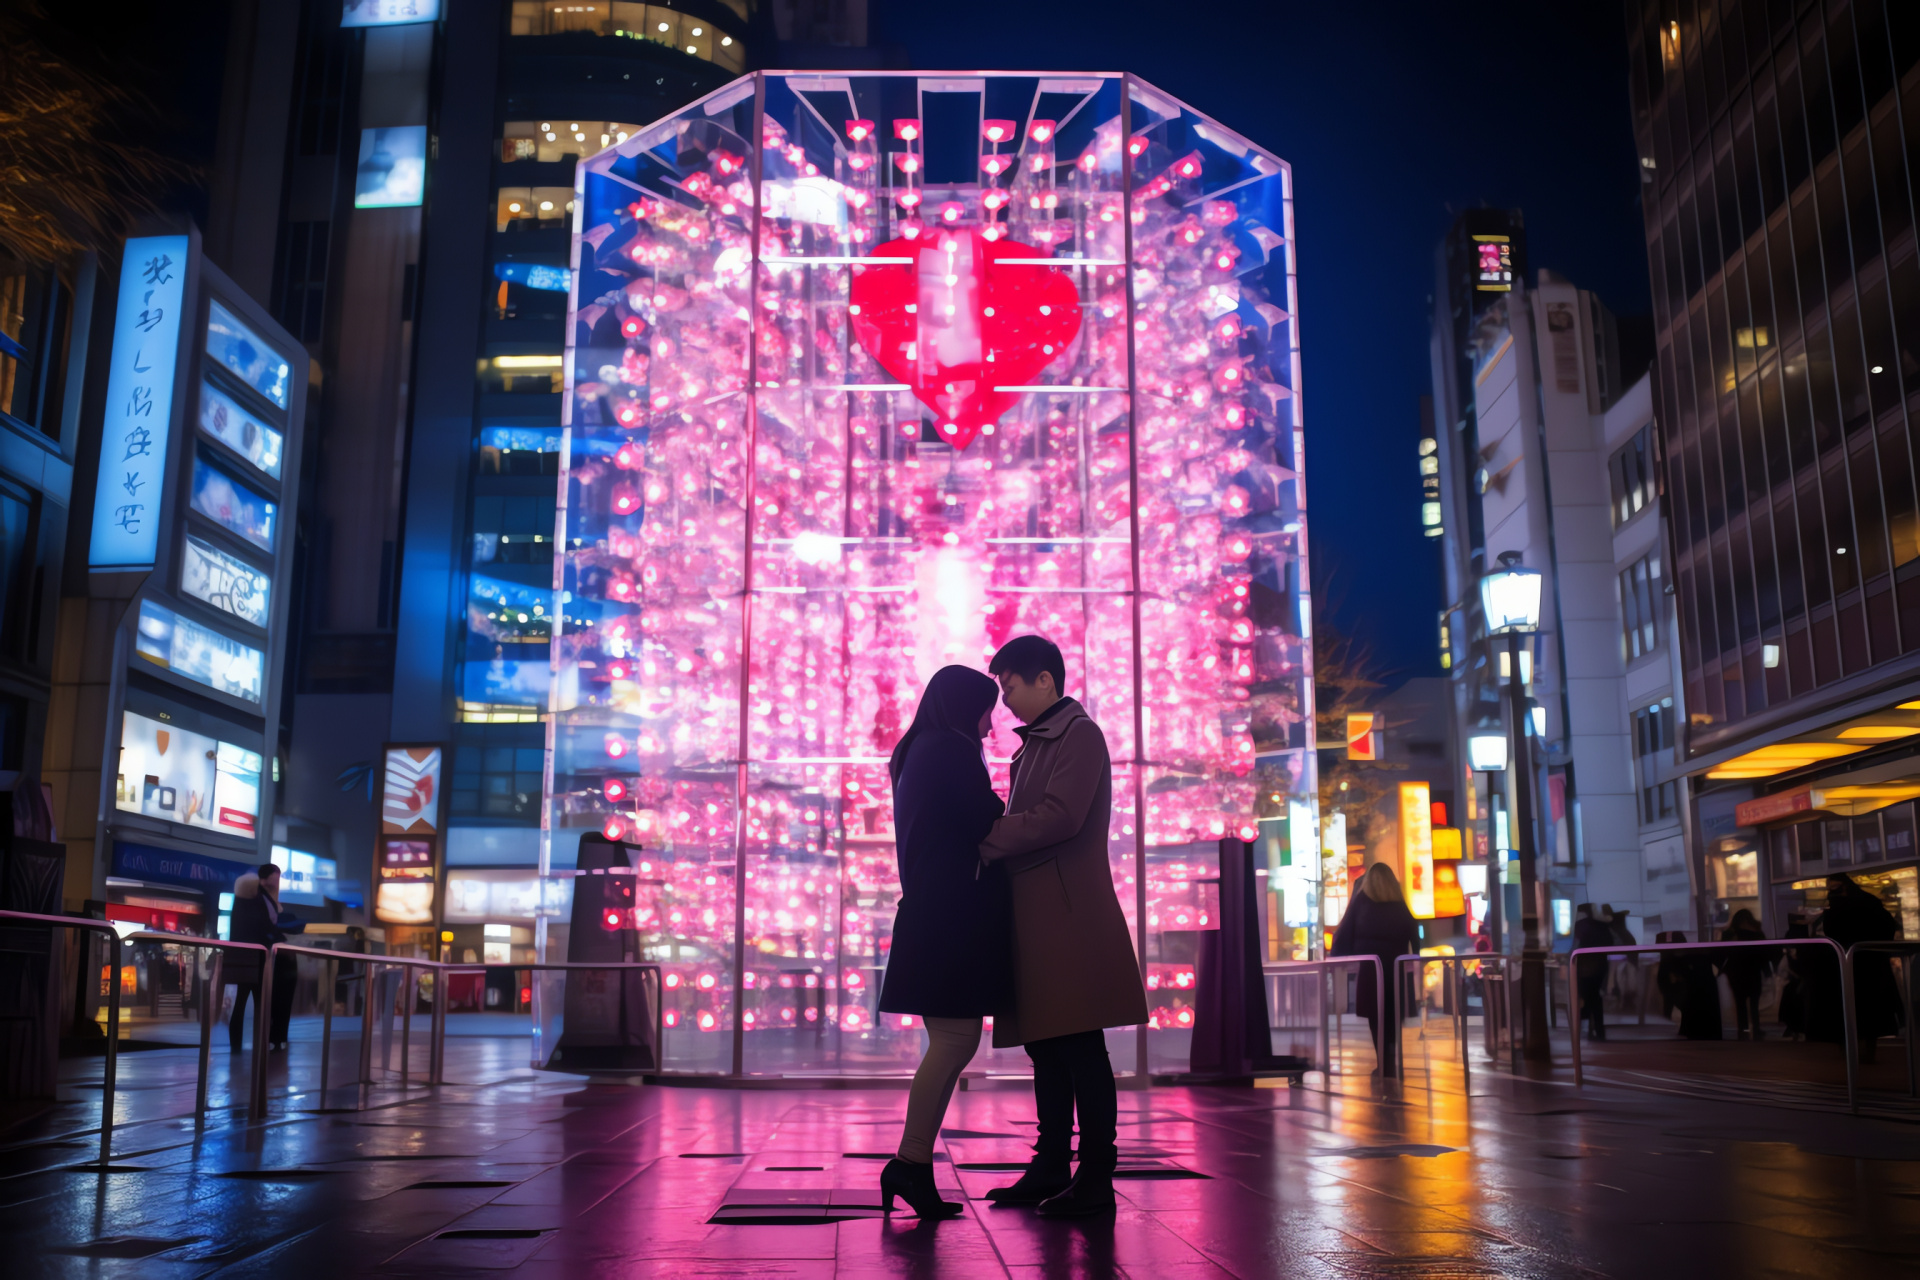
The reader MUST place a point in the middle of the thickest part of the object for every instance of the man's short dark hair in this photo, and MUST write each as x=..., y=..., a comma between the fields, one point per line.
x=267, y=869
x=1027, y=657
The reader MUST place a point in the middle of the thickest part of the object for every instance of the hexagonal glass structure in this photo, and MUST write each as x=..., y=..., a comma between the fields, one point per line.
x=857, y=387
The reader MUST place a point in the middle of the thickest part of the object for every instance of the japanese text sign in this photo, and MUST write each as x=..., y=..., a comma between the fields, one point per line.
x=138, y=421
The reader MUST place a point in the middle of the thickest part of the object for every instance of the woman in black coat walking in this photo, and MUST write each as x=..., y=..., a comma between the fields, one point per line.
x=951, y=963
x=1378, y=924
x=1853, y=915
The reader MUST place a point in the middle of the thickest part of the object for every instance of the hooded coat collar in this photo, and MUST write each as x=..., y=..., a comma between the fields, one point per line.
x=1053, y=721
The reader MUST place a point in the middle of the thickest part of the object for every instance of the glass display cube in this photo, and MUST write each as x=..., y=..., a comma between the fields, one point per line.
x=866, y=375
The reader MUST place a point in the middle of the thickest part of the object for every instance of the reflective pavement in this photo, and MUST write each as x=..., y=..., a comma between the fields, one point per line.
x=544, y=1174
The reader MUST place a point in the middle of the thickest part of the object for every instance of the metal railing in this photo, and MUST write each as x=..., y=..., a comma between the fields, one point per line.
x=1907, y=951
x=1841, y=956
x=1456, y=970
x=208, y=1007
x=1326, y=966
x=437, y=1026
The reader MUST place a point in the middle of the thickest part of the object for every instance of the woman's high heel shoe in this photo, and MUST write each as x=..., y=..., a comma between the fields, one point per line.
x=914, y=1184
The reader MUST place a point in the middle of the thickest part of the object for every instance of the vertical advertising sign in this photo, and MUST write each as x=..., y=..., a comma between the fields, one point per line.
x=1416, y=847
x=1363, y=739
x=407, y=866
x=138, y=422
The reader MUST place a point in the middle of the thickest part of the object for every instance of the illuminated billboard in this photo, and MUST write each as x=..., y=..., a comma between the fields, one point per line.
x=410, y=802
x=387, y=13
x=137, y=425
x=222, y=417
x=201, y=654
x=232, y=505
x=213, y=577
x=393, y=168
x=185, y=777
x=1416, y=847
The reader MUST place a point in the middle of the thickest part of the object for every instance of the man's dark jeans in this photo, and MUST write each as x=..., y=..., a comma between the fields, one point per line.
x=1072, y=1073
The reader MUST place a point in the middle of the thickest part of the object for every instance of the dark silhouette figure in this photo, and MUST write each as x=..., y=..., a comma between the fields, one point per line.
x=1688, y=982
x=952, y=957
x=1796, y=996
x=1378, y=924
x=1852, y=916
x=1746, y=970
x=1591, y=971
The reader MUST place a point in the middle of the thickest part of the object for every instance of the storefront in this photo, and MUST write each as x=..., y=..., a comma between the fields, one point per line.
x=1876, y=849
x=166, y=890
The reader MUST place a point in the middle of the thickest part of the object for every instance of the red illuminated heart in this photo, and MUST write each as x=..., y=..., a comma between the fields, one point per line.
x=957, y=320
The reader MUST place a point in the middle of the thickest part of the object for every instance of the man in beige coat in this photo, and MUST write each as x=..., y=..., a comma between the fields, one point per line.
x=1075, y=972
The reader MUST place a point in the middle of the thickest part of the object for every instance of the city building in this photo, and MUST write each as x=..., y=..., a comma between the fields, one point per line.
x=1775, y=145
x=1661, y=900
x=1522, y=378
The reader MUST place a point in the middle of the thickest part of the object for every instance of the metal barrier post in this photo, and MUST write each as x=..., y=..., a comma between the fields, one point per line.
x=113, y=1046
x=1573, y=1018
x=1460, y=1021
x=366, y=1027
x=328, y=969
x=209, y=1014
x=1850, y=1030
x=408, y=978
x=1913, y=1069
x=262, y=1021
x=437, y=1035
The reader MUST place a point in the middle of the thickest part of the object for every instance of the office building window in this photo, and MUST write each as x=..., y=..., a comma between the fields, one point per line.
x=549, y=140
x=533, y=208
x=695, y=36
x=1640, y=592
x=1653, y=747
x=35, y=310
x=497, y=772
x=1631, y=471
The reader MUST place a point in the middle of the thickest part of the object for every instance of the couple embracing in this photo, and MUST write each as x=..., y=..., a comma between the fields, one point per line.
x=1008, y=911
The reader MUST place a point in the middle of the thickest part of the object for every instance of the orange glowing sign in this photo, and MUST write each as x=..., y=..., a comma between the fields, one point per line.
x=1416, y=847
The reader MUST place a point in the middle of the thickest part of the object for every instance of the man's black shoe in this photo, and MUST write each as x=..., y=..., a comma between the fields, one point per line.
x=1045, y=1176
x=1090, y=1193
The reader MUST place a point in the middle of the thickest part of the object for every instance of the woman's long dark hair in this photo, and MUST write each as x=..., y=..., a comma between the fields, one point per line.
x=954, y=699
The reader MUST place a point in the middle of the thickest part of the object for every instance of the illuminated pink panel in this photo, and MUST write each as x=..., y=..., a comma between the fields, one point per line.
x=908, y=411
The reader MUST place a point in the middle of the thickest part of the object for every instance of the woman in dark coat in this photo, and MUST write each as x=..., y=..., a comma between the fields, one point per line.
x=1747, y=969
x=951, y=963
x=1853, y=915
x=1688, y=982
x=1378, y=924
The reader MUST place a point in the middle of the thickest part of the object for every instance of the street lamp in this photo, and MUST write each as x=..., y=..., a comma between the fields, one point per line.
x=1487, y=752
x=1510, y=599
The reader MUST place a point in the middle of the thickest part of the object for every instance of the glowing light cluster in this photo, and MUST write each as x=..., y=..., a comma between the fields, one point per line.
x=811, y=460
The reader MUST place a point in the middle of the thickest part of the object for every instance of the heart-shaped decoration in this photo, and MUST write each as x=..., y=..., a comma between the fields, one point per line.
x=957, y=320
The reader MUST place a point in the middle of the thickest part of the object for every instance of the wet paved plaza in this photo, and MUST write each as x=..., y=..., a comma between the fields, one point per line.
x=541, y=1174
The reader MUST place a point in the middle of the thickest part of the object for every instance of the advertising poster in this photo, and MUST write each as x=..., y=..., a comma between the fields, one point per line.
x=233, y=506
x=187, y=777
x=411, y=803
x=213, y=577
x=222, y=418
x=393, y=168
x=199, y=653
x=244, y=354
x=404, y=892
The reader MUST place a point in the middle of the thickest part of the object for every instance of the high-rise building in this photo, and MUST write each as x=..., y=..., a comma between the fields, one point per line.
x=1776, y=147
x=1523, y=376
x=397, y=178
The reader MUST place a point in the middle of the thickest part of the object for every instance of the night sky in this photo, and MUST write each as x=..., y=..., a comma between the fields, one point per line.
x=1393, y=118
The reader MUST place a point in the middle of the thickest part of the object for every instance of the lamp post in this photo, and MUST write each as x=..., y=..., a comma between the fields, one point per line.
x=1487, y=752
x=1510, y=599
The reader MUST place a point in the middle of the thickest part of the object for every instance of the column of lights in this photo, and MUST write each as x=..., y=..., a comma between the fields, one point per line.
x=909, y=166
x=994, y=164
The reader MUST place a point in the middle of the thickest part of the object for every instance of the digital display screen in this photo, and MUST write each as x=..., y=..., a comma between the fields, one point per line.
x=1495, y=264
x=232, y=505
x=187, y=777
x=213, y=577
x=388, y=13
x=199, y=653
x=222, y=418
x=404, y=893
x=392, y=173
x=243, y=353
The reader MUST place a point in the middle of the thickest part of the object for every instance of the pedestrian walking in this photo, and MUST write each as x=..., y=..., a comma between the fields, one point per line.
x=1591, y=971
x=1746, y=970
x=1377, y=923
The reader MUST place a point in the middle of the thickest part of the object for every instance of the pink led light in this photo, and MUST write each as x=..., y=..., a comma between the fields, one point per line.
x=859, y=130
x=906, y=129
